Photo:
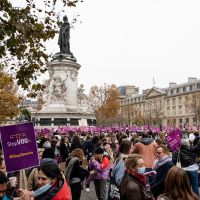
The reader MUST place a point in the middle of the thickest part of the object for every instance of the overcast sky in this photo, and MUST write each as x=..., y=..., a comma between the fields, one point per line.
x=130, y=42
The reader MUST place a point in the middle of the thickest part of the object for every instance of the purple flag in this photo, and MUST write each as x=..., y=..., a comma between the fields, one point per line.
x=173, y=139
x=19, y=146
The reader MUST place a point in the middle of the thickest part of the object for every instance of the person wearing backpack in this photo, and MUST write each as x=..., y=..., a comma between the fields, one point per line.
x=118, y=169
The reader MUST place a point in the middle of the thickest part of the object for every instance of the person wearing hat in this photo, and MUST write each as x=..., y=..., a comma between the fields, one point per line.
x=101, y=165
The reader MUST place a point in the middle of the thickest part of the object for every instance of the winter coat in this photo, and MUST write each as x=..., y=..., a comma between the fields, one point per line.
x=188, y=155
x=64, y=152
x=158, y=187
x=102, y=169
x=59, y=191
x=147, y=148
x=132, y=189
x=118, y=170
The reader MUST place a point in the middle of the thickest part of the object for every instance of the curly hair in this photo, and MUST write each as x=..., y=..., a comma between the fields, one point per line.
x=77, y=153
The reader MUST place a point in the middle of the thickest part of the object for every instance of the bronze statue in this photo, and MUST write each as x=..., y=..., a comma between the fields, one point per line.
x=64, y=36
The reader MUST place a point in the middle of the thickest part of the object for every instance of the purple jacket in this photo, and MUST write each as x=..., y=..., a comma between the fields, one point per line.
x=99, y=173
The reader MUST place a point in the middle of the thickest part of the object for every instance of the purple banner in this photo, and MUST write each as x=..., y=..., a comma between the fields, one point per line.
x=19, y=146
x=173, y=139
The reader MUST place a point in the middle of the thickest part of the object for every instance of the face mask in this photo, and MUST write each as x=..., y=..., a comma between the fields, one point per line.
x=41, y=190
x=141, y=170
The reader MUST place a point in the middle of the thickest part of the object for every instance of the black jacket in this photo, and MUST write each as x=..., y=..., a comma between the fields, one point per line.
x=64, y=152
x=188, y=155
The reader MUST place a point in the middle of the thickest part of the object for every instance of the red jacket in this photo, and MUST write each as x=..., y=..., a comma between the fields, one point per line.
x=63, y=193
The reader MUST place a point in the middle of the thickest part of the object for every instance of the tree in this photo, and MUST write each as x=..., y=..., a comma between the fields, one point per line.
x=9, y=101
x=23, y=32
x=192, y=105
x=157, y=114
x=103, y=101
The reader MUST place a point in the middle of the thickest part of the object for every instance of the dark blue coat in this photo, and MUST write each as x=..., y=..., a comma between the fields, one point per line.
x=158, y=187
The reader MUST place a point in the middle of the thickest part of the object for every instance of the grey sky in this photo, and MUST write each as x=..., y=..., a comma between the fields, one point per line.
x=132, y=41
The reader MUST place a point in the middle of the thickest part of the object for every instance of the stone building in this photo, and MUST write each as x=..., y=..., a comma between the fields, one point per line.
x=178, y=105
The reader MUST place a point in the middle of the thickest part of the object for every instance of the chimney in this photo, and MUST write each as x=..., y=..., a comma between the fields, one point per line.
x=171, y=84
x=191, y=79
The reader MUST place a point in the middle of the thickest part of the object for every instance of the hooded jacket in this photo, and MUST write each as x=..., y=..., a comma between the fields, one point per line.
x=147, y=148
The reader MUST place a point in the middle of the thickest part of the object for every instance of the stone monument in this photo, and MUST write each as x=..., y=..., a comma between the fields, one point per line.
x=64, y=102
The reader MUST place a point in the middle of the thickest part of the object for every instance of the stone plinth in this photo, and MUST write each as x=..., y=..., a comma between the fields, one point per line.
x=64, y=100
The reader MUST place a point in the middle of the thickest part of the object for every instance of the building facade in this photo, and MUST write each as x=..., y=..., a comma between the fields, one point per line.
x=178, y=105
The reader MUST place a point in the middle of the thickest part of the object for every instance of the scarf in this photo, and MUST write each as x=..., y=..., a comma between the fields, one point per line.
x=138, y=177
x=158, y=163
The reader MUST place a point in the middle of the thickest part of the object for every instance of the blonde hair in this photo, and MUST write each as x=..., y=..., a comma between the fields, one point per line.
x=131, y=161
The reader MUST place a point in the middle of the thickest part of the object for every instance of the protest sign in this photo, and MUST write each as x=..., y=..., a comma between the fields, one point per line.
x=19, y=146
x=173, y=139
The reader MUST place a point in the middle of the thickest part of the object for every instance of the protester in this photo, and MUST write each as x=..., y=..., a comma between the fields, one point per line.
x=147, y=148
x=2, y=166
x=64, y=149
x=177, y=186
x=88, y=147
x=118, y=169
x=76, y=143
x=133, y=183
x=101, y=165
x=75, y=173
x=161, y=165
x=52, y=184
x=48, y=153
x=187, y=155
x=3, y=186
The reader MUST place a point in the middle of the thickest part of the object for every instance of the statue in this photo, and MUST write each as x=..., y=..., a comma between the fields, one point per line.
x=64, y=36
x=81, y=94
x=63, y=42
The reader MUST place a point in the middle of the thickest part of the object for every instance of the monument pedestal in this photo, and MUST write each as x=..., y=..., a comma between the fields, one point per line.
x=64, y=101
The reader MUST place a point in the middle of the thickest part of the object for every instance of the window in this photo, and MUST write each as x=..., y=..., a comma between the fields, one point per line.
x=180, y=121
x=45, y=122
x=173, y=101
x=198, y=85
x=194, y=121
x=180, y=100
x=168, y=102
x=184, y=89
x=177, y=90
x=74, y=122
x=187, y=120
x=91, y=122
x=60, y=121
x=172, y=91
x=191, y=87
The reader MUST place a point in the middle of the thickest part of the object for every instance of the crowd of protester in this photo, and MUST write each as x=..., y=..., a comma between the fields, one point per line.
x=122, y=166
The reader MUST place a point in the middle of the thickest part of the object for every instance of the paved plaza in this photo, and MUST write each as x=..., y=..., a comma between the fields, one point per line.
x=89, y=195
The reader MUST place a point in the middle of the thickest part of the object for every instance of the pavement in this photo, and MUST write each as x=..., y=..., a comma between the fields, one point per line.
x=89, y=195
